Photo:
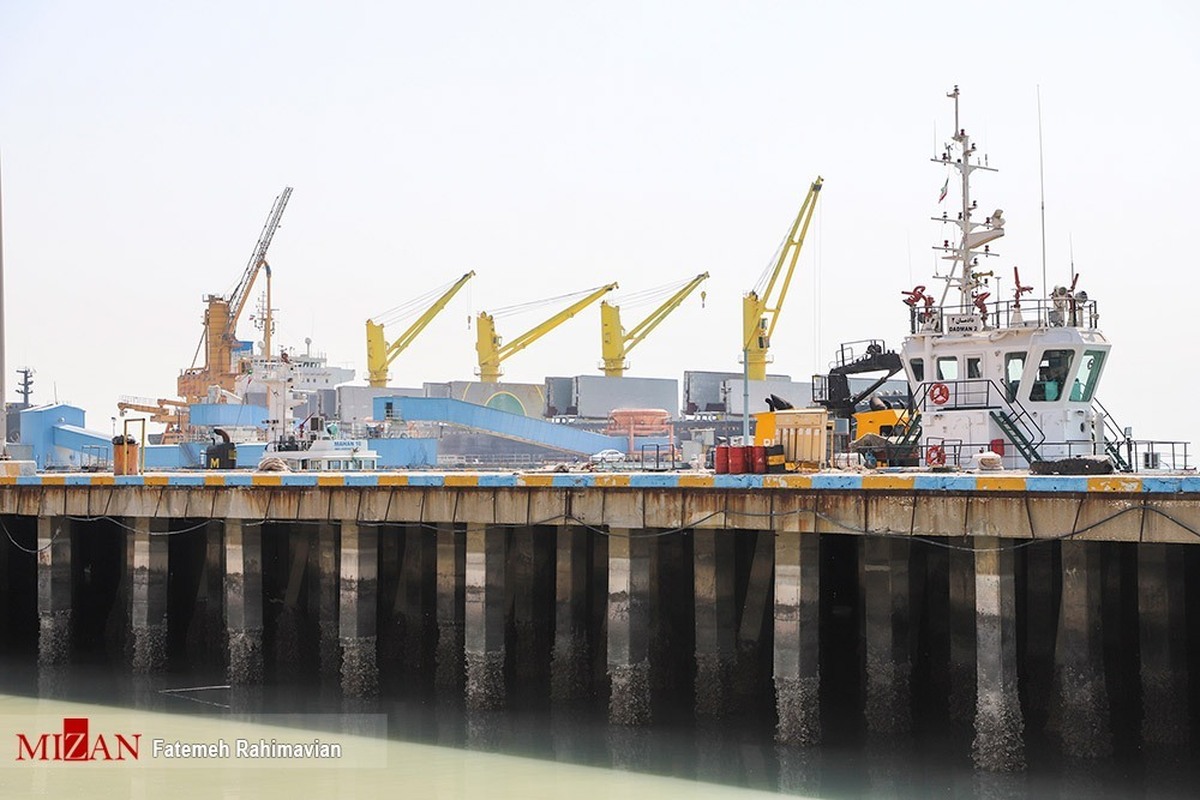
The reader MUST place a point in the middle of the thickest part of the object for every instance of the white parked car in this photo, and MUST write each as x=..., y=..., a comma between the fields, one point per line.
x=608, y=456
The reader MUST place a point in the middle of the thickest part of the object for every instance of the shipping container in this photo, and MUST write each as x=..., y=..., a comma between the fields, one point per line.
x=596, y=396
x=354, y=403
x=703, y=391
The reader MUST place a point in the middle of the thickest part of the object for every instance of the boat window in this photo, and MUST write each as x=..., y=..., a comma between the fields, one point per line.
x=974, y=367
x=1089, y=375
x=947, y=368
x=1052, y=375
x=917, y=365
x=335, y=464
x=1014, y=366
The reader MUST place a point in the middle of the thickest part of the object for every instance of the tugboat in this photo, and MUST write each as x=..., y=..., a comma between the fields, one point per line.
x=1006, y=383
x=311, y=446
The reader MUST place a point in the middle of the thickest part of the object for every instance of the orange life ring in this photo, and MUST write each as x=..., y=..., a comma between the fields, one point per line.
x=939, y=394
x=935, y=456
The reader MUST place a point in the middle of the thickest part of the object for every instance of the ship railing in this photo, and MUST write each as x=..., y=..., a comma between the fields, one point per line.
x=1077, y=312
x=1140, y=455
x=979, y=394
x=849, y=352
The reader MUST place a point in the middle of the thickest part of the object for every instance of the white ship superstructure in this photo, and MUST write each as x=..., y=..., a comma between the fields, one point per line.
x=1017, y=377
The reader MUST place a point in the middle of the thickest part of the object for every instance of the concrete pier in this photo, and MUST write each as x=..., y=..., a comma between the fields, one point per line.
x=999, y=744
x=54, y=588
x=206, y=640
x=415, y=594
x=244, y=601
x=327, y=601
x=1041, y=629
x=716, y=617
x=358, y=599
x=570, y=661
x=629, y=589
x=1084, y=721
x=1163, y=644
x=451, y=603
x=149, y=594
x=797, y=667
x=289, y=620
x=485, y=615
x=888, y=662
x=650, y=577
x=528, y=570
x=963, y=643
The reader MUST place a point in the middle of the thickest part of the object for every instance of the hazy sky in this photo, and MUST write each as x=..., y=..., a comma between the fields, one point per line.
x=556, y=146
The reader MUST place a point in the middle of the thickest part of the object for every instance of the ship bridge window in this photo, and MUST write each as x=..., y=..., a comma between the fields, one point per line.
x=1089, y=375
x=947, y=368
x=974, y=368
x=1053, y=370
x=917, y=365
x=1014, y=366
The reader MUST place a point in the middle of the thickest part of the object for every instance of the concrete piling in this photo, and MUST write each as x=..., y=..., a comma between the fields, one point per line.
x=1084, y=721
x=962, y=631
x=570, y=660
x=1163, y=645
x=149, y=594
x=797, y=663
x=244, y=601
x=485, y=615
x=451, y=547
x=527, y=564
x=716, y=617
x=416, y=595
x=889, y=666
x=999, y=744
x=326, y=600
x=485, y=610
x=629, y=589
x=358, y=600
x=54, y=580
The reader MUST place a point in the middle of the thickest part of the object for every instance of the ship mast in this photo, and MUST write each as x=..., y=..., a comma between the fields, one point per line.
x=971, y=244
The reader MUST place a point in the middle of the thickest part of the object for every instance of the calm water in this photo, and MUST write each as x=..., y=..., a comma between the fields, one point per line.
x=433, y=748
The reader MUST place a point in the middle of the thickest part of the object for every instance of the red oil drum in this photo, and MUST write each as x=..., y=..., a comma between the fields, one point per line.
x=758, y=460
x=737, y=460
x=997, y=446
x=721, y=459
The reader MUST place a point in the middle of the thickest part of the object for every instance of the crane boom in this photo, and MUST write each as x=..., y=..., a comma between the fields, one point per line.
x=760, y=314
x=221, y=314
x=237, y=300
x=616, y=342
x=492, y=353
x=380, y=354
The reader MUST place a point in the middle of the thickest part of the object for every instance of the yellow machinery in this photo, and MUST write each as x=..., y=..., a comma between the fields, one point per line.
x=492, y=352
x=887, y=422
x=616, y=342
x=221, y=318
x=760, y=312
x=380, y=354
x=803, y=432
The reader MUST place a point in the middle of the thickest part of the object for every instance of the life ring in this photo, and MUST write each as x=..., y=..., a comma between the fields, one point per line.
x=935, y=456
x=939, y=393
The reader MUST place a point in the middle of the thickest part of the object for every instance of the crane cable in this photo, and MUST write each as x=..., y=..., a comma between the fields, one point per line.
x=519, y=308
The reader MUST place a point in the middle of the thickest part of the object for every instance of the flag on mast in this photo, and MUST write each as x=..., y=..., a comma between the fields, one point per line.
x=945, y=189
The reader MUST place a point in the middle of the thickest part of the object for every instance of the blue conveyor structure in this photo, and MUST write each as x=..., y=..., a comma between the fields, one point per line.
x=553, y=435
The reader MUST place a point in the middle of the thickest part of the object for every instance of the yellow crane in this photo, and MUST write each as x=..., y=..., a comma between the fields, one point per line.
x=616, y=342
x=492, y=352
x=380, y=354
x=760, y=312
